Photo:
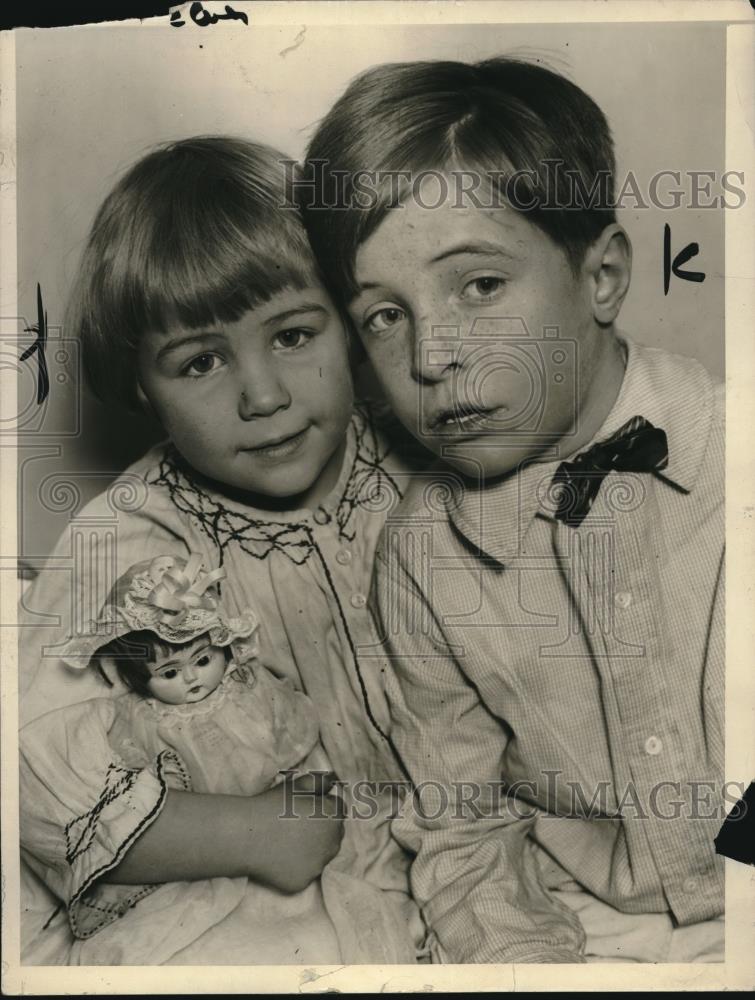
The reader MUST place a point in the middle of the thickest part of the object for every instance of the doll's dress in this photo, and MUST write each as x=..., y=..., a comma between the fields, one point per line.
x=235, y=741
x=239, y=740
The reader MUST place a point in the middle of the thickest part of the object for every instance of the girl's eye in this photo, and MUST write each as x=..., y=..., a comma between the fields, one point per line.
x=384, y=319
x=483, y=288
x=203, y=364
x=203, y=661
x=169, y=674
x=291, y=339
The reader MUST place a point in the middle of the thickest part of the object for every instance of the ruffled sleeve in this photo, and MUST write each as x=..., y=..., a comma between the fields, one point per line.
x=84, y=807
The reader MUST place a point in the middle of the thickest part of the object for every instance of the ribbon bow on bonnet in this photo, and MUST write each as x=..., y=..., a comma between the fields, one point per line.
x=173, y=597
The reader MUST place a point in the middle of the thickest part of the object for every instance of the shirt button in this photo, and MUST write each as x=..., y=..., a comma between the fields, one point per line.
x=343, y=557
x=653, y=746
x=690, y=885
x=623, y=599
x=321, y=516
x=358, y=600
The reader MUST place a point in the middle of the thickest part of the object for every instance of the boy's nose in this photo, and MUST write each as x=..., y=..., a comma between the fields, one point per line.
x=262, y=392
x=435, y=352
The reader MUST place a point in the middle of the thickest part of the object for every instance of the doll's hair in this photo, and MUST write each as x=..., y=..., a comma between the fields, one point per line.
x=196, y=232
x=133, y=653
x=542, y=144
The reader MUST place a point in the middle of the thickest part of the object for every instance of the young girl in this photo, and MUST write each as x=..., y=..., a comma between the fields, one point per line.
x=198, y=297
x=216, y=721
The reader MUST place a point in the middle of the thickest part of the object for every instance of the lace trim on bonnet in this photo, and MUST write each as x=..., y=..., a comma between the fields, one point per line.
x=173, y=597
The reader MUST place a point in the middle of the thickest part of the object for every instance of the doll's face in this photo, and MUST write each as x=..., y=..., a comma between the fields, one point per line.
x=187, y=675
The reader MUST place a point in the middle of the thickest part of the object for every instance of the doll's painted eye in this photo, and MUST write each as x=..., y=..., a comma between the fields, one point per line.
x=169, y=674
x=203, y=661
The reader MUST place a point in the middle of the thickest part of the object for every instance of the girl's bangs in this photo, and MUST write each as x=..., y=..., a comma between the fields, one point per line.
x=193, y=282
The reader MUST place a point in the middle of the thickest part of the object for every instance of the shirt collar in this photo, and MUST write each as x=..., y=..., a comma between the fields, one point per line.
x=674, y=393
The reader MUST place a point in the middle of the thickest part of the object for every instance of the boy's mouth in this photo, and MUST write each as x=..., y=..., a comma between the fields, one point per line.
x=461, y=417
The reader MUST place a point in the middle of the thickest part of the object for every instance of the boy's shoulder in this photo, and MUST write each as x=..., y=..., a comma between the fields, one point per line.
x=670, y=369
x=680, y=388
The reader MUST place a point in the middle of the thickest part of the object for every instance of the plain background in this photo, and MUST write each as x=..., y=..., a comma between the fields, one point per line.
x=90, y=101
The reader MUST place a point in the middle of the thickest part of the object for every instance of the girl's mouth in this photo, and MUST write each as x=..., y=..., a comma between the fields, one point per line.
x=279, y=447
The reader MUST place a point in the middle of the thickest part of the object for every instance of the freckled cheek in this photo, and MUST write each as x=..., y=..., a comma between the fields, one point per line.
x=404, y=395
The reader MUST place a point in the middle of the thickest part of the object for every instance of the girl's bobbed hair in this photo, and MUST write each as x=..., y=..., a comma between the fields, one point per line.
x=197, y=232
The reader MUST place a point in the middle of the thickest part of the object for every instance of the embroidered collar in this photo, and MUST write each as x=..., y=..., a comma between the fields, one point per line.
x=363, y=481
x=678, y=398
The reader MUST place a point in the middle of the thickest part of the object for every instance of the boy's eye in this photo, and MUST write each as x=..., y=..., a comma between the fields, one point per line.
x=484, y=287
x=202, y=364
x=288, y=339
x=384, y=319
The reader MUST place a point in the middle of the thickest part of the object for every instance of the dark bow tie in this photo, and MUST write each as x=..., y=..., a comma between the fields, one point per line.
x=635, y=447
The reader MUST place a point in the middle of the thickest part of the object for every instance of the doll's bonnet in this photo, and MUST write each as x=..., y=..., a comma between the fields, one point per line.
x=175, y=598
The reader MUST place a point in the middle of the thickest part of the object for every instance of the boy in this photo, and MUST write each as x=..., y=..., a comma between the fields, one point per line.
x=555, y=619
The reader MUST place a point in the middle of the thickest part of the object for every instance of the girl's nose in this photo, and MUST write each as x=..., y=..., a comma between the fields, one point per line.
x=262, y=392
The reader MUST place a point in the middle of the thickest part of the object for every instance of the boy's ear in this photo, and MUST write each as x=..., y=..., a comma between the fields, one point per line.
x=609, y=263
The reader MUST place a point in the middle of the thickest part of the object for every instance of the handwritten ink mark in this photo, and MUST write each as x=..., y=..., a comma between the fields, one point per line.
x=202, y=18
x=296, y=43
x=675, y=266
x=39, y=345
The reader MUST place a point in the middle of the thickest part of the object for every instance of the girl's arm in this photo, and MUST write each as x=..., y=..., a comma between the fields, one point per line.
x=283, y=837
x=87, y=818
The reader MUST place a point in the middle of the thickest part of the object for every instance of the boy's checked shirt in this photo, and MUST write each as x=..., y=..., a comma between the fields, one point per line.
x=587, y=662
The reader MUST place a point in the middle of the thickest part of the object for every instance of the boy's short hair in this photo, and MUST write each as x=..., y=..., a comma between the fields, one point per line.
x=132, y=655
x=506, y=119
x=196, y=232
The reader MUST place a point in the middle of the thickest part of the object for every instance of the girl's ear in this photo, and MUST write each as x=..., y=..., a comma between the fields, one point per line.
x=144, y=404
x=609, y=262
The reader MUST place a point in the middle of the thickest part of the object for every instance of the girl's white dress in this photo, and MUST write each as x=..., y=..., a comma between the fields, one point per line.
x=306, y=574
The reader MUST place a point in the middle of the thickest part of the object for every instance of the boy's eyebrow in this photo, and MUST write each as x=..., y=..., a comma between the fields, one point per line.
x=304, y=307
x=481, y=248
x=194, y=338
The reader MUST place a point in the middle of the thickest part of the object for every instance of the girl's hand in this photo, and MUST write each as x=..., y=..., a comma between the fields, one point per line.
x=282, y=837
x=308, y=832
